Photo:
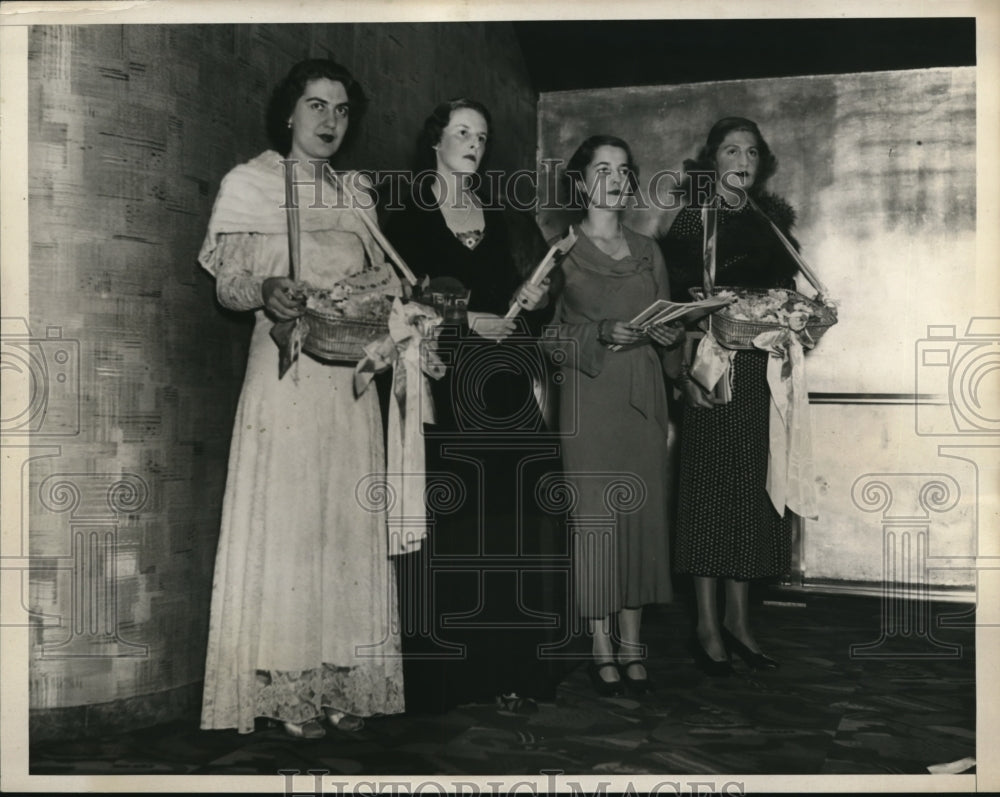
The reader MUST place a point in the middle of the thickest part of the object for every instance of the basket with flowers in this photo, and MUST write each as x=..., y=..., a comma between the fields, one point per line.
x=755, y=311
x=340, y=321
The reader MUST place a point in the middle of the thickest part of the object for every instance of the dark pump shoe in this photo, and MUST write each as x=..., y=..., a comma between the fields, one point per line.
x=516, y=704
x=638, y=685
x=755, y=660
x=602, y=687
x=706, y=663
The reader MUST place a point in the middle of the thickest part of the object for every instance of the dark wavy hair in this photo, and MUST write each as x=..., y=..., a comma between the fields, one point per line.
x=705, y=162
x=434, y=125
x=293, y=86
x=584, y=155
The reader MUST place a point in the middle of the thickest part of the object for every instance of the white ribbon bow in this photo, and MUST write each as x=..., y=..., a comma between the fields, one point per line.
x=711, y=362
x=409, y=348
x=790, y=477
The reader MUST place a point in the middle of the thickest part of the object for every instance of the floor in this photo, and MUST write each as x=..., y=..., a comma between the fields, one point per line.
x=897, y=707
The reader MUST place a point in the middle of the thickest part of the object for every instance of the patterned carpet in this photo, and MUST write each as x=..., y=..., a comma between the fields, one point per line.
x=824, y=712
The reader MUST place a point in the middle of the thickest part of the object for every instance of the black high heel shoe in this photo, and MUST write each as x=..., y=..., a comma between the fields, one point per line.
x=516, y=704
x=706, y=663
x=638, y=685
x=755, y=660
x=602, y=687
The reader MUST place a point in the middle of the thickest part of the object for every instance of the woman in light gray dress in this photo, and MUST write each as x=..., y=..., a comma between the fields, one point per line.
x=613, y=412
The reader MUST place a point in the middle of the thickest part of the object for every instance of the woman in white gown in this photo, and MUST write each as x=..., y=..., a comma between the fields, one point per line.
x=304, y=606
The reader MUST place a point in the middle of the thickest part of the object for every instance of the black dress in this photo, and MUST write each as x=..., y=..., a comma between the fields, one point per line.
x=483, y=603
x=727, y=526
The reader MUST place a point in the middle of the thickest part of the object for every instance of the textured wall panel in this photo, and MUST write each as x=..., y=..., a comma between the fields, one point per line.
x=880, y=167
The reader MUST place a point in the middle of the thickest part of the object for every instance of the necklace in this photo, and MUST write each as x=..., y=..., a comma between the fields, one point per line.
x=610, y=245
x=460, y=224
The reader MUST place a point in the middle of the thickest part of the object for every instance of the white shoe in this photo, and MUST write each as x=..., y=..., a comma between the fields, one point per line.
x=343, y=721
x=311, y=729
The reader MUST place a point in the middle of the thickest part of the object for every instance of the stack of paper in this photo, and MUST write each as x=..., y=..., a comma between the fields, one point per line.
x=662, y=311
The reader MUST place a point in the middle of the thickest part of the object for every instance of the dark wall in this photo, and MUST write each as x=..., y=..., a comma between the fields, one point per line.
x=131, y=128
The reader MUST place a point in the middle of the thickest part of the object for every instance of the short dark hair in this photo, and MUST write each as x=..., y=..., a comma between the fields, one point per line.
x=585, y=154
x=293, y=86
x=706, y=162
x=435, y=124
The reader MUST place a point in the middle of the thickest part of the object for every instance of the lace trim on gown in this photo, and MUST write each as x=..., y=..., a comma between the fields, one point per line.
x=235, y=693
x=236, y=286
x=298, y=697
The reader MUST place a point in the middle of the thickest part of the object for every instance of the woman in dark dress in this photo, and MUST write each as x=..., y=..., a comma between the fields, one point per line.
x=481, y=599
x=727, y=527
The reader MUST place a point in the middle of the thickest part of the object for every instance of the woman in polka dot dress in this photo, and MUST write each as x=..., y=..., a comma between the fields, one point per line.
x=727, y=527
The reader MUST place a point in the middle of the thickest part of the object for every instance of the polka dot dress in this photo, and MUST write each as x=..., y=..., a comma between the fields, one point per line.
x=726, y=524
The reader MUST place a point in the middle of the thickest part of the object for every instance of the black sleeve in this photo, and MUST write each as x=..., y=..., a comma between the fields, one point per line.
x=779, y=211
x=682, y=253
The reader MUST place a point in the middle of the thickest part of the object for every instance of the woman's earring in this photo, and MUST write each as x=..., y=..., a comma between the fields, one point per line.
x=289, y=124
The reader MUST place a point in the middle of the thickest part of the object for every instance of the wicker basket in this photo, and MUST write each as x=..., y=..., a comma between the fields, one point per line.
x=739, y=334
x=736, y=333
x=333, y=336
x=339, y=339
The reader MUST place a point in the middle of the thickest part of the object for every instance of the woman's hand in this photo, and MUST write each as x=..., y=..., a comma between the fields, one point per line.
x=531, y=297
x=284, y=299
x=618, y=332
x=491, y=326
x=668, y=335
x=695, y=395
